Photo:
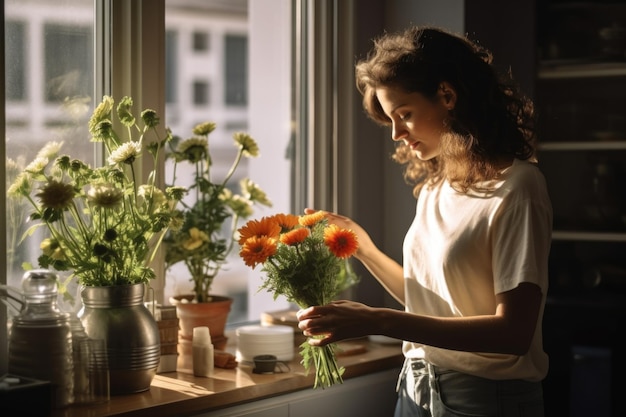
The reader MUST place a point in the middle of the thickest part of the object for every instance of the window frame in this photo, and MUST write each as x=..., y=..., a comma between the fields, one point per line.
x=4, y=345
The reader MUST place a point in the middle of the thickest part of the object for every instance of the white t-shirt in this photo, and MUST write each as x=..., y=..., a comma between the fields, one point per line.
x=463, y=249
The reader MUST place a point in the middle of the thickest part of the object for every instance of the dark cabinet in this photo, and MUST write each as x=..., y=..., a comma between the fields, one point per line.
x=580, y=93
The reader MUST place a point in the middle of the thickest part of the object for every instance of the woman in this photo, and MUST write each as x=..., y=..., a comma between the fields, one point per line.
x=474, y=273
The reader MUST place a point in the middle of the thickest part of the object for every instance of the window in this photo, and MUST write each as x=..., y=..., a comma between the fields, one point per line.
x=200, y=41
x=38, y=31
x=171, y=56
x=235, y=70
x=49, y=77
x=16, y=71
x=200, y=93
x=68, y=61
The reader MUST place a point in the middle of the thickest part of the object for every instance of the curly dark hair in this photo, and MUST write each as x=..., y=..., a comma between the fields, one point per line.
x=491, y=122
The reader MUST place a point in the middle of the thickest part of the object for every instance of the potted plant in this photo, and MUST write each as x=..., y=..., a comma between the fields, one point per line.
x=209, y=223
x=104, y=226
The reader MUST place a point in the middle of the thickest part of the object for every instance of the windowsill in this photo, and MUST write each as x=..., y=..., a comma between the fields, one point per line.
x=180, y=393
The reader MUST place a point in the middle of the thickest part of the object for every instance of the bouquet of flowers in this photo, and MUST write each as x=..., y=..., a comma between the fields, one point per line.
x=306, y=260
x=102, y=224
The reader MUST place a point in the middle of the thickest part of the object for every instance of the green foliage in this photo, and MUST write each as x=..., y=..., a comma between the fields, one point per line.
x=202, y=242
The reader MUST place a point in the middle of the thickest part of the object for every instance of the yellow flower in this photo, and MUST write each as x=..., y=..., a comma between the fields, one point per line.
x=193, y=149
x=56, y=195
x=312, y=219
x=52, y=249
x=241, y=206
x=196, y=239
x=254, y=193
x=247, y=144
x=126, y=153
x=100, y=114
x=203, y=129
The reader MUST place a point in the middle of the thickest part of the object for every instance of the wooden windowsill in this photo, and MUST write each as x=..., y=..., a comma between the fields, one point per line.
x=181, y=394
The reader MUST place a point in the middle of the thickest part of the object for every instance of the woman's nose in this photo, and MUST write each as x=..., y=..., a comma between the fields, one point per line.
x=397, y=132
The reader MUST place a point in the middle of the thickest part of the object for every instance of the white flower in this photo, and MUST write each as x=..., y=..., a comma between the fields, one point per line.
x=50, y=150
x=126, y=153
x=37, y=166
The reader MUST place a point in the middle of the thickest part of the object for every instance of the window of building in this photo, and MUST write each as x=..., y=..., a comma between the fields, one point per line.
x=235, y=70
x=68, y=61
x=200, y=41
x=200, y=93
x=171, y=73
x=16, y=71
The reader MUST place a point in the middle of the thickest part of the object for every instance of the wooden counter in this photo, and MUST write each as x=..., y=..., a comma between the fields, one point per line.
x=181, y=394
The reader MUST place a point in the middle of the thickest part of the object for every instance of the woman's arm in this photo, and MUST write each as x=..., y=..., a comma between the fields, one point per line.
x=509, y=330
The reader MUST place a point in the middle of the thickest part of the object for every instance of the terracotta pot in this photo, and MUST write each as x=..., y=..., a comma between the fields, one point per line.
x=213, y=315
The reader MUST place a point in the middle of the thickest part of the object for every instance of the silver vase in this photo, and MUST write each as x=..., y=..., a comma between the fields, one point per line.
x=117, y=314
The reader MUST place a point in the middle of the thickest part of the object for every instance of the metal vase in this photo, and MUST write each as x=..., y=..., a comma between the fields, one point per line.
x=117, y=314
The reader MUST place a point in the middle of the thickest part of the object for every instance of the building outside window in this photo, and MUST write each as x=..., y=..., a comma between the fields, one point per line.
x=50, y=81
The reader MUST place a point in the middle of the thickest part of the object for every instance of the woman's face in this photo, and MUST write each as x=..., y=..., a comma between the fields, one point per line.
x=416, y=120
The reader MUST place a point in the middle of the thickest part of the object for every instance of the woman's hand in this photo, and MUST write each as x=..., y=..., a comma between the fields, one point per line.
x=337, y=321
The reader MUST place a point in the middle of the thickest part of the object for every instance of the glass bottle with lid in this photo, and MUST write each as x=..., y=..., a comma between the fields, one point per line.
x=40, y=342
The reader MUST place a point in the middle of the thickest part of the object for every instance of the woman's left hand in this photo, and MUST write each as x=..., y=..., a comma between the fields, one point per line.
x=337, y=321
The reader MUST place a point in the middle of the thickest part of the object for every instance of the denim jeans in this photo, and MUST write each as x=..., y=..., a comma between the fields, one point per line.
x=428, y=391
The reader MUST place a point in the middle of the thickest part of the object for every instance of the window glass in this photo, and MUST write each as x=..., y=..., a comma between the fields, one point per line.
x=48, y=82
x=235, y=70
x=15, y=49
x=200, y=93
x=212, y=84
x=200, y=41
x=171, y=57
x=68, y=60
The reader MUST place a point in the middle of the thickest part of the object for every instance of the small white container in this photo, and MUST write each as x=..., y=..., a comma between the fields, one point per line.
x=203, y=360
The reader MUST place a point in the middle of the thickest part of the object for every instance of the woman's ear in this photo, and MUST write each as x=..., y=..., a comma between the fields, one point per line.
x=448, y=94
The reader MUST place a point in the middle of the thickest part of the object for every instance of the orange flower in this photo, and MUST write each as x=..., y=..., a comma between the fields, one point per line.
x=312, y=219
x=295, y=236
x=341, y=242
x=286, y=221
x=257, y=249
x=267, y=226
